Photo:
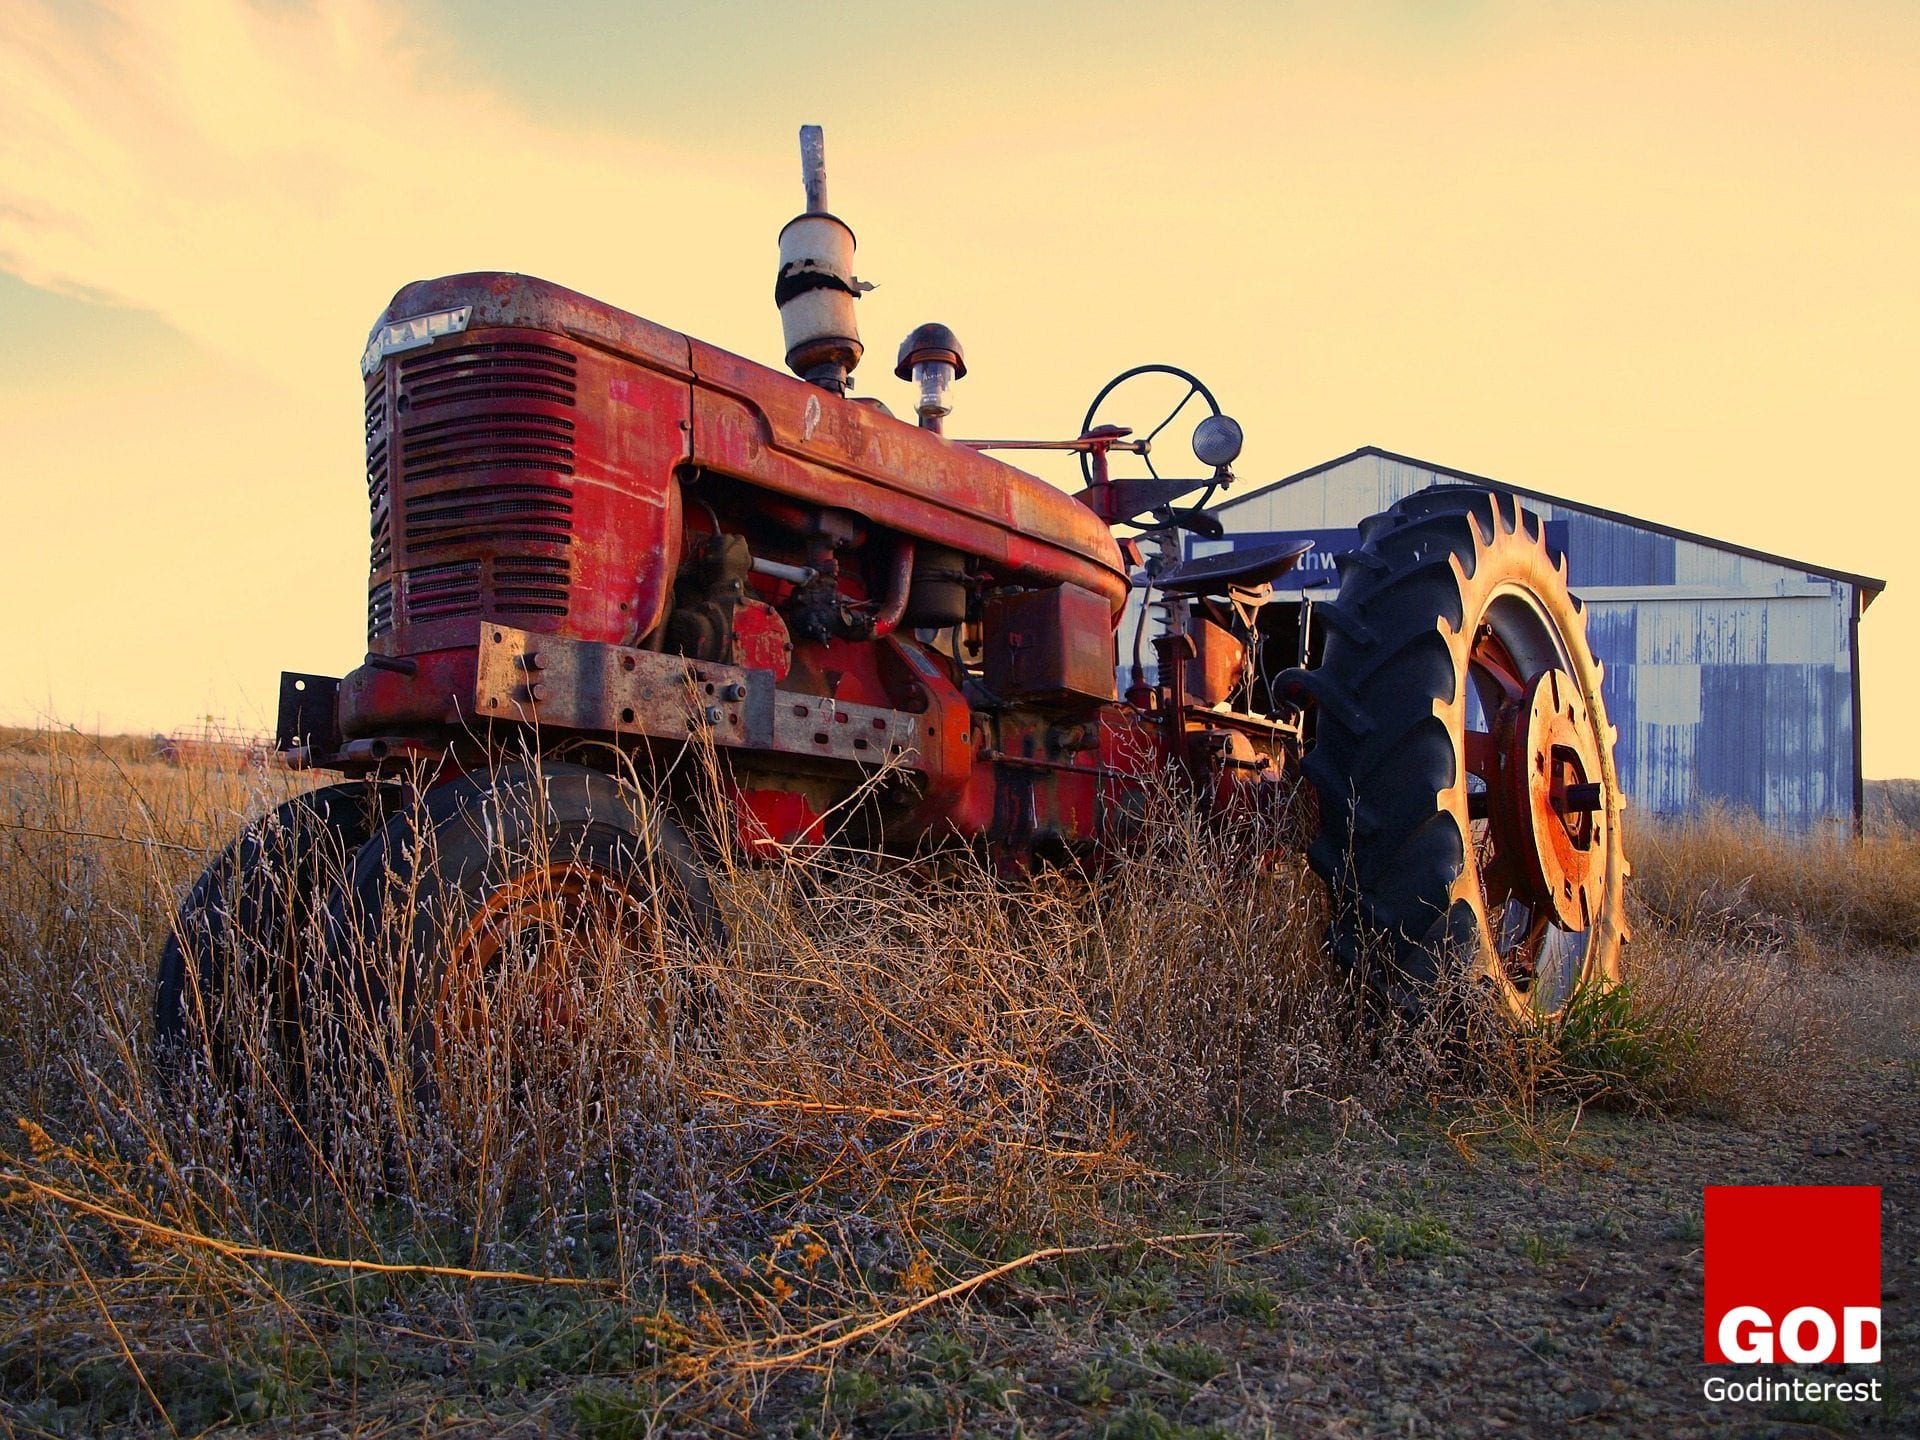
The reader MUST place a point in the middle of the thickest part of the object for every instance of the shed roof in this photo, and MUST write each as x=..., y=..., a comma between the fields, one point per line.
x=1868, y=586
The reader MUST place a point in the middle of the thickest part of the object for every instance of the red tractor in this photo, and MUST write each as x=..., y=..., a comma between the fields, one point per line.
x=599, y=546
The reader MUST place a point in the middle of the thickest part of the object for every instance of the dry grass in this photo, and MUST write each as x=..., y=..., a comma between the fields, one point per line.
x=1893, y=807
x=19, y=743
x=1752, y=950
x=884, y=1085
x=1724, y=883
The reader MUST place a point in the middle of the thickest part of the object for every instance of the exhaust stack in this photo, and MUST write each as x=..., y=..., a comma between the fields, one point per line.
x=816, y=286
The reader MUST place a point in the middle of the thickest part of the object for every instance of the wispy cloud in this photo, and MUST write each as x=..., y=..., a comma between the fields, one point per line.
x=240, y=168
x=260, y=178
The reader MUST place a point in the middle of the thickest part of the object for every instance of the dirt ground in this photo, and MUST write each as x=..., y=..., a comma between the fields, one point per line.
x=1441, y=1274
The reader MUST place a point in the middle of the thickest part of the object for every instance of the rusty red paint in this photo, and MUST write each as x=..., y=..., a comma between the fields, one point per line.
x=770, y=820
x=537, y=479
x=806, y=444
x=761, y=640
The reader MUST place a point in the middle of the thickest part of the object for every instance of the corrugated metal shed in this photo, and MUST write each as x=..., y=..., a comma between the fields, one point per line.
x=1732, y=675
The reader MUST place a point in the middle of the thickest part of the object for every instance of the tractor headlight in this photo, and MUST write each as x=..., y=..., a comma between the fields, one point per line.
x=1217, y=440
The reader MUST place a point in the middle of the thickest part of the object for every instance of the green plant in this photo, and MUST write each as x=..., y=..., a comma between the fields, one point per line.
x=944, y=1355
x=1542, y=1249
x=1092, y=1382
x=1148, y=1290
x=1253, y=1300
x=1142, y=1420
x=602, y=1412
x=1689, y=1225
x=1193, y=1361
x=1416, y=1236
x=853, y=1391
x=1606, y=1045
x=913, y=1408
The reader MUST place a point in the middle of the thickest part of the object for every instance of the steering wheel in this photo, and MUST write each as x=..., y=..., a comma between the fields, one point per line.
x=1216, y=440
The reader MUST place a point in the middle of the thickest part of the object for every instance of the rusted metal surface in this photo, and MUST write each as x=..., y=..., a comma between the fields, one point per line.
x=543, y=477
x=1049, y=644
x=577, y=685
x=437, y=691
x=761, y=640
x=820, y=726
x=517, y=475
x=800, y=442
x=582, y=685
x=1547, y=849
x=951, y=732
x=376, y=751
x=1218, y=664
x=1120, y=501
x=629, y=408
x=900, y=581
x=765, y=820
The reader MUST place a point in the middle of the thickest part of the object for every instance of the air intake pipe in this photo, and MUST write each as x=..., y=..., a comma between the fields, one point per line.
x=816, y=287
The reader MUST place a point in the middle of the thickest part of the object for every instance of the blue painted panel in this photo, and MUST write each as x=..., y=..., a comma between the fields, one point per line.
x=1809, y=744
x=1840, y=722
x=1605, y=552
x=1317, y=565
x=1777, y=740
x=1731, y=758
x=1664, y=784
x=1611, y=635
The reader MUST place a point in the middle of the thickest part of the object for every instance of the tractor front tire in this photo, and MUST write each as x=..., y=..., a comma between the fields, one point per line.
x=502, y=909
x=1470, y=810
x=234, y=950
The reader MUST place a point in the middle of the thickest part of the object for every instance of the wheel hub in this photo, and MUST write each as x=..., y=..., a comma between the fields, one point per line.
x=1548, y=818
x=519, y=959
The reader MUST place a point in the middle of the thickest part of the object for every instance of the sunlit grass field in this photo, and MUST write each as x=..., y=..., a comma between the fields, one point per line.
x=879, y=1092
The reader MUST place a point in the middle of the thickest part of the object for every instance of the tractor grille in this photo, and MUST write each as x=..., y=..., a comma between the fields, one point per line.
x=504, y=370
x=379, y=497
x=488, y=442
x=380, y=610
x=507, y=515
x=476, y=468
x=436, y=591
x=530, y=585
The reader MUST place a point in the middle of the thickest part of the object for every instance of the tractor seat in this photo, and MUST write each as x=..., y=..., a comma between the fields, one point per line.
x=1232, y=569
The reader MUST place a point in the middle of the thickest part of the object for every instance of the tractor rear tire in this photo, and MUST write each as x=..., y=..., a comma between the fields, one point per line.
x=507, y=879
x=1470, y=810
x=241, y=929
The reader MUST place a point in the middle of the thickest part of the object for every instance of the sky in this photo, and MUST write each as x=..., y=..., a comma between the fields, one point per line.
x=1654, y=257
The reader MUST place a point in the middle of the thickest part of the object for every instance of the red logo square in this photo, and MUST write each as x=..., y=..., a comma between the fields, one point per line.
x=1793, y=1274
